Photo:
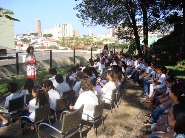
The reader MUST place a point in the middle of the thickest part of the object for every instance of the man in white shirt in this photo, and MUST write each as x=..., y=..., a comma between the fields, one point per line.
x=12, y=88
x=53, y=73
x=130, y=63
x=62, y=86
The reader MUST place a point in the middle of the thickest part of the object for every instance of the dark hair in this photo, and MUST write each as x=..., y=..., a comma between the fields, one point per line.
x=12, y=87
x=41, y=99
x=28, y=49
x=169, y=80
x=105, y=46
x=179, y=92
x=86, y=70
x=171, y=75
x=73, y=69
x=53, y=71
x=162, y=68
x=29, y=85
x=93, y=70
x=49, y=83
x=42, y=80
x=179, y=116
x=59, y=78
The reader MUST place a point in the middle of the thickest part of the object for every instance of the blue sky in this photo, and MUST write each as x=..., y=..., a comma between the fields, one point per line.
x=49, y=12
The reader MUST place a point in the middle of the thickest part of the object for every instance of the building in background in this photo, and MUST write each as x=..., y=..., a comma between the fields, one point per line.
x=76, y=33
x=111, y=32
x=38, y=26
x=6, y=32
x=67, y=30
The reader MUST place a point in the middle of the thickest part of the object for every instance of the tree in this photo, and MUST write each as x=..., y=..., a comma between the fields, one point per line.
x=47, y=35
x=110, y=13
x=7, y=14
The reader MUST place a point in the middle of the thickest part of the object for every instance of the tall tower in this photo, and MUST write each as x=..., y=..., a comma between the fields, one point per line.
x=38, y=26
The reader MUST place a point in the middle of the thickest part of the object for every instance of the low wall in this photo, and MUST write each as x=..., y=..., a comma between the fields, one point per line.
x=10, y=70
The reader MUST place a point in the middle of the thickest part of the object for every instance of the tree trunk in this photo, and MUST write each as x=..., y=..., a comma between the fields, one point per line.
x=145, y=29
x=137, y=38
x=182, y=45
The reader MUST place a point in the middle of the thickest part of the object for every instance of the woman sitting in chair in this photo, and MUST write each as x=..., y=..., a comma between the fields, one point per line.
x=38, y=101
x=87, y=98
x=110, y=86
x=12, y=88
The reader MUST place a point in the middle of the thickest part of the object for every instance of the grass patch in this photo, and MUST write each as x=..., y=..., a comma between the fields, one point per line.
x=21, y=79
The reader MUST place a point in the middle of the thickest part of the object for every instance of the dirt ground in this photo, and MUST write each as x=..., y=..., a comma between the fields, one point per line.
x=126, y=121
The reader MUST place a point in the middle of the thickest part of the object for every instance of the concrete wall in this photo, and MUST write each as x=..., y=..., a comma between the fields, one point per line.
x=10, y=70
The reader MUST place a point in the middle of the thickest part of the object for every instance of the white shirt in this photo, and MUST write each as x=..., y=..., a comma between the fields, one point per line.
x=162, y=79
x=10, y=97
x=54, y=81
x=24, y=92
x=89, y=100
x=107, y=90
x=148, y=70
x=167, y=90
x=136, y=64
x=77, y=87
x=62, y=87
x=32, y=107
x=130, y=63
x=123, y=69
x=141, y=66
x=53, y=96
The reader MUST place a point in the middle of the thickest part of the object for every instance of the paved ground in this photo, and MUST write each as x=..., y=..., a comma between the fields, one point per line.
x=126, y=122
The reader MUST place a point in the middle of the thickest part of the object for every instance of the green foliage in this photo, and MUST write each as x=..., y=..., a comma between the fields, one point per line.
x=182, y=62
x=47, y=35
x=52, y=47
x=25, y=40
x=21, y=79
x=7, y=14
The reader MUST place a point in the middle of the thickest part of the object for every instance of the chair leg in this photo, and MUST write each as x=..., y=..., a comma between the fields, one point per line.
x=95, y=129
x=102, y=122
x=49, y=120
x=80, y=131
x=111, y=108
x=114, y=105
x=36, y=127
x=55, y=116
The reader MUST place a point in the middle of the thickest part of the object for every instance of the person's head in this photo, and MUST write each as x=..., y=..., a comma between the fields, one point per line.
x=12, y=87
x=91, y=63
x=171, y=74
x=48, y=85
x=140, y=60
x=68, y=73
x=106, y=47
x=28, y=85
x=79, y=75
x=38, y=93
x=86, y=72
x=169, y=82
x=111, y=53
x=81, y=64
x=120, y=63
x=147, y=63
x=73, y=70
x=161, y=69
x=177, y=93
x=30, y=50
x=176, y=118
x=53, y=71
x=129, y=58
x=112, y=76
x=86, y=84
x=135, y=58
x=59, y=78
x=42, y=80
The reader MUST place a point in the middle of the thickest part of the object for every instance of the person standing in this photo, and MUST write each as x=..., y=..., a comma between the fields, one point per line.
x=31, y=64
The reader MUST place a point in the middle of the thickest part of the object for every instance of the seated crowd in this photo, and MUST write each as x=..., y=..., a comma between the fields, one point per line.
x=101, y=77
